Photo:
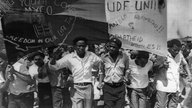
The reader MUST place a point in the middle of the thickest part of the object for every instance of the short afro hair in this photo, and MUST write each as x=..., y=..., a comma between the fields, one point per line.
x=173, y=42
x=143, y=54
x=78, y=39
x=32, y=55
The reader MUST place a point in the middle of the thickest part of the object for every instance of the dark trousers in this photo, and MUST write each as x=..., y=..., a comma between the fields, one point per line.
x=166, y=100
x=45, y=95
x=24, y=100
x=114, y=96
x=61, y=97
x=3, y=99
x=137, y=98
x=188, y=101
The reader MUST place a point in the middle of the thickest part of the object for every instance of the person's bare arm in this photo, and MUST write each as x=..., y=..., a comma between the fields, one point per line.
x=101, y=75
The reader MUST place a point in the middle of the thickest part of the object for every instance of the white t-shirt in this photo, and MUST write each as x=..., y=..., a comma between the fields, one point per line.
x=139, y=75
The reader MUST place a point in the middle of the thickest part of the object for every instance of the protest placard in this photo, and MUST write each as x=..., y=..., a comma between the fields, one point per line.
x=140, y=24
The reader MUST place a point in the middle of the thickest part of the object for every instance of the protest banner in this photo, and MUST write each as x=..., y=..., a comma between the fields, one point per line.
x=27, y=32
x=66, y=28
x=140, y=24
x=87, y=9
x=49, y=7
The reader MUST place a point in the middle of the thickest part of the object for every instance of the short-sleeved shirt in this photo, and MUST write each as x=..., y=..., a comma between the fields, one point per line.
x=115, y=70
x=172, y=74
x=81, y=68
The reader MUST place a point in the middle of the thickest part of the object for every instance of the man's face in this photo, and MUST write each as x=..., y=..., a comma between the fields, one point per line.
x=174, y=50
x=38, y=60
x=80, y=47
x=70, y=48
x=97, y=51
x=186, y=51
x=113, y=48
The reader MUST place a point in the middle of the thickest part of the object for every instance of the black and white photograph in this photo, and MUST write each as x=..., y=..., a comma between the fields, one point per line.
x=95, y=53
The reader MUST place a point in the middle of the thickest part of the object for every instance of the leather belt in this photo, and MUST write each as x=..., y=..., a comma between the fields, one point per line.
x=115, y=84
x=82, y=84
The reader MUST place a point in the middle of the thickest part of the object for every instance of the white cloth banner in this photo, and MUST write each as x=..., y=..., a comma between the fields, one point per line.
x=140, y=24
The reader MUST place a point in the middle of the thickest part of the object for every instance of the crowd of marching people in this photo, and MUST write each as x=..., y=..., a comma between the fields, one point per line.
x=78, y=76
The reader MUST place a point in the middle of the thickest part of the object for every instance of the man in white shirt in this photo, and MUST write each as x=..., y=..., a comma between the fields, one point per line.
x=168, y=87
x=139, y=68
x=80, y=63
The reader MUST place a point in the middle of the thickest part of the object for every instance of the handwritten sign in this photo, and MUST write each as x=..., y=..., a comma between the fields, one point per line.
x=26, y=32
x=88, y=9
x=140, y=24
x=48, y=7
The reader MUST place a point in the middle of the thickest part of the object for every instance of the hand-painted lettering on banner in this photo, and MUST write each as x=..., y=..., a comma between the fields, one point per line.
x=43, y=6
x=140, y=24
x=131, y=5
